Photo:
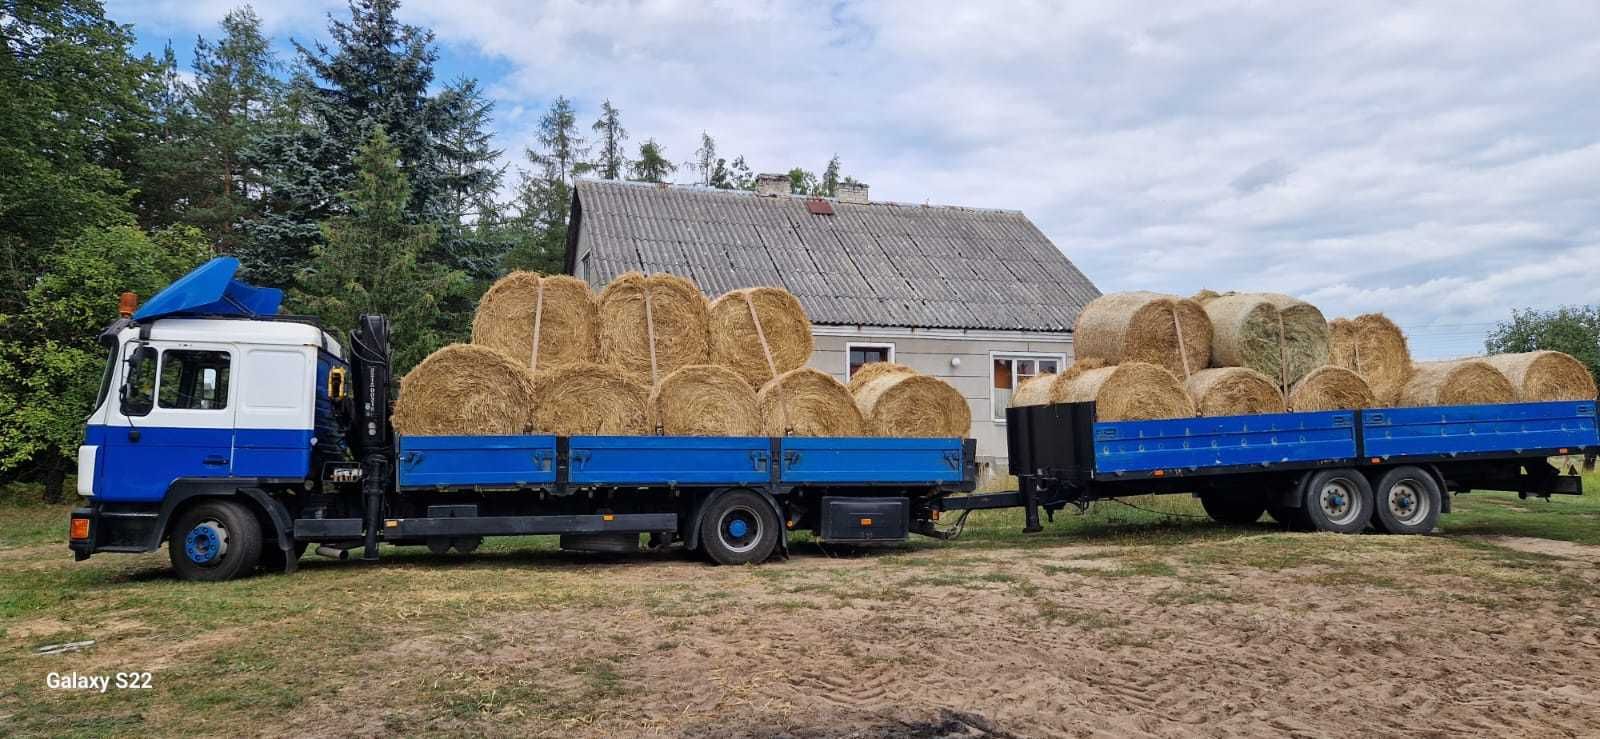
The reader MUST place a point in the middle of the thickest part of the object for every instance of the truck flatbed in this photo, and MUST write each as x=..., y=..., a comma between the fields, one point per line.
x=442, y=463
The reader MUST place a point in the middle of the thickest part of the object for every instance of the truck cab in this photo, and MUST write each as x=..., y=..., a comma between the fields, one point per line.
x=207, y=395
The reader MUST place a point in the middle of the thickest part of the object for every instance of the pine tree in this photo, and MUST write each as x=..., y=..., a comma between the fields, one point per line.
x=611, y=134
x=235, y=95
x=472, y=177
x=652, y=164
x=163, y=174
x=376, y=71
x=371, y=262
x=544, y=197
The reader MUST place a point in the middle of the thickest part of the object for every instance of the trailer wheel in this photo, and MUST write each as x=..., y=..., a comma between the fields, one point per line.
x=1236, y=510
x=1339, y=501
x=738, y=527
x=1407, y=501
x=215, y=540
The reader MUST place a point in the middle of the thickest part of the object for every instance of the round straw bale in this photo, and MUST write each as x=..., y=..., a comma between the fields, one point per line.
x=1374, y=348
x=705, y=400
x=1131, y=391
x=735, y=343
x=584, y=399
x=1233, y=391
x=808, y=402
x=1330, y=388
x=1545, y=375
x=1207, y=295
x=464, y=389
x=678, y=311
x=505, y=319
x=1461, y=382
x=1051, y=388
x=1247, y=333
x=1145, y=327
x=873, y=370
x=909, y=404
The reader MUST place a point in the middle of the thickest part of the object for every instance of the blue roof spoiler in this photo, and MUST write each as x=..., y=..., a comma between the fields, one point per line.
x=210, y=290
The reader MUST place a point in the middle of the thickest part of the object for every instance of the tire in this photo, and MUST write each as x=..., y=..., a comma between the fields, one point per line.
x=466, y=544
x=1234, y=510
x=215, y=540
x=1289, y=518
x=739, y=527
x=272, y=559
x=1406, y=500
x=1339, y=501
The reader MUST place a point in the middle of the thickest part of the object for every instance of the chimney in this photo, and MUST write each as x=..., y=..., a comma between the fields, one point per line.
x=772, y=185
x=850, y=192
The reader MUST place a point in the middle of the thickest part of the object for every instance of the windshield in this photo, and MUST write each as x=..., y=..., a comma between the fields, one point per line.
x=105, y=378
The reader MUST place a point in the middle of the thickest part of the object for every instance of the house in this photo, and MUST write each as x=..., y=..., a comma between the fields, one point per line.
x=977, y=297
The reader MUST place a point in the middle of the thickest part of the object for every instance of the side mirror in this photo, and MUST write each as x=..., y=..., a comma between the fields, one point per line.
x=136, y=395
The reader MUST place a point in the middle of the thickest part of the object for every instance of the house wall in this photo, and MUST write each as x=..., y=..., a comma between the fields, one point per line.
x=930, y=352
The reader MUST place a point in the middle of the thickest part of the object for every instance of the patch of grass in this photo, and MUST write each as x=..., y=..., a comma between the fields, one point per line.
x=1187, y=595
x=1563, y=517
x=32, y=525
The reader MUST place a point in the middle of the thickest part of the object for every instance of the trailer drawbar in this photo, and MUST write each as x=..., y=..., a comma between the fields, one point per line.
x=240, y=437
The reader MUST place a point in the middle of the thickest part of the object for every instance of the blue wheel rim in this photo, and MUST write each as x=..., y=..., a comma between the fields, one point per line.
x=205, y=543
x=740, y=529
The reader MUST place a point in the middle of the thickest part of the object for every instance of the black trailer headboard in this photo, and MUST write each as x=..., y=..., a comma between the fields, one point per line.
x=1055, y=440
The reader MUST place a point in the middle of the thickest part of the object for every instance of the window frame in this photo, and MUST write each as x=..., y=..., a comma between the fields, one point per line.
x=851, y=346
x=161, y=369
x=1061, y=364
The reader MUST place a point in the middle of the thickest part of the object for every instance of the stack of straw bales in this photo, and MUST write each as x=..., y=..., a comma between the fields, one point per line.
x=650, y=354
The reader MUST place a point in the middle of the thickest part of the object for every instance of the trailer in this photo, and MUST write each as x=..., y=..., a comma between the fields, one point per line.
x=240, y=437
x=1394, y=470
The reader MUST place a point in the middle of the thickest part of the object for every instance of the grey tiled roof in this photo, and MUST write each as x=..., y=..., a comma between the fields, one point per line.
x=880, y=264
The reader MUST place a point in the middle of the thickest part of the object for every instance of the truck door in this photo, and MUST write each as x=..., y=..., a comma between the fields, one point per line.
x=173, y=419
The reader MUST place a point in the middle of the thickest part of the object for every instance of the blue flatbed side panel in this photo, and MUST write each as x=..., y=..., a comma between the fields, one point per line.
x=1478, y=429
x=663, y=460
x=869, y=460
x=476, y=461
x=1223, y=441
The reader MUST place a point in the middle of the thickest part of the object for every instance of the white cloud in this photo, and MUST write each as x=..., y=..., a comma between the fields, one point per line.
x=1437, y=162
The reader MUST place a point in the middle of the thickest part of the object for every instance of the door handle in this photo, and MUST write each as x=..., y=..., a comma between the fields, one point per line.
x=216, y=461
x=133, y=435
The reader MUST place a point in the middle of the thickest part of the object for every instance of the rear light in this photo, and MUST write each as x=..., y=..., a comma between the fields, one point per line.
x=79, y=530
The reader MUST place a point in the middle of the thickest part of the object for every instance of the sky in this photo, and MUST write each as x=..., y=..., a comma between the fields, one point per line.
x=1437, y=162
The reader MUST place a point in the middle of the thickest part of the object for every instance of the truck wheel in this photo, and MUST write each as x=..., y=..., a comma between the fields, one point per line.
x=739, y=527
x=1233, y=509
x=1407, y=501
x=1290, y=518
x=1337, y=500
x=215, y=540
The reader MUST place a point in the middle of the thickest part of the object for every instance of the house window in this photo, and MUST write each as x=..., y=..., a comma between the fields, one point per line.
x=1010, y=370
x=583, y=267
x=860, y=354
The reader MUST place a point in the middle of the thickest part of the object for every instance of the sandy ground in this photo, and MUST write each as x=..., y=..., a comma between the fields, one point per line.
x=1044, y=643
x=1278, y=635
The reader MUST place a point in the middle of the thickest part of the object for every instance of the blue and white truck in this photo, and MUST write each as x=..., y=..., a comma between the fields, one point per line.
x=239, y=437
